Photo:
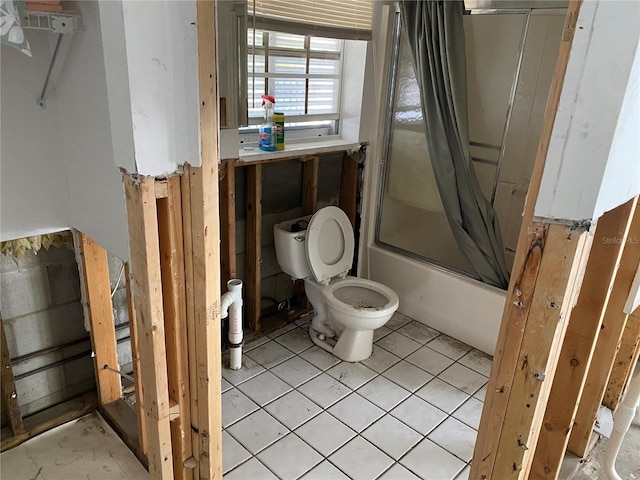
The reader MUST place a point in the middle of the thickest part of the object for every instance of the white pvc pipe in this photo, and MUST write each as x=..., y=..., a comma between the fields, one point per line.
x=231, y=305
x=622, y=422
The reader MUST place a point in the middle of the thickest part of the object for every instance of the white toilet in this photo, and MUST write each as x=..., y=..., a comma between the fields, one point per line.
x=319, y=249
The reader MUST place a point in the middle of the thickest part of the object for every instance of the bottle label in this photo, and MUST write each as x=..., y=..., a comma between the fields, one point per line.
x=266, y=139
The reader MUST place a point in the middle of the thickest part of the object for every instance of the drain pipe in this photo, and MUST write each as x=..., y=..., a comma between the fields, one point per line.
x=621, y=424
x=231, y=305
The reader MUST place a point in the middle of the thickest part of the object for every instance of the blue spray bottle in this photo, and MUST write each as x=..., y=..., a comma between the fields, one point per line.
x=267, y=131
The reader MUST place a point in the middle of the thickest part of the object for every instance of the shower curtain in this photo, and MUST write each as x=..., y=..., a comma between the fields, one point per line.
x=436, y=37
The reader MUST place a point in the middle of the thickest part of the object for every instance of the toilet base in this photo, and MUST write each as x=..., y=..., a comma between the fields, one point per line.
x=352, y=346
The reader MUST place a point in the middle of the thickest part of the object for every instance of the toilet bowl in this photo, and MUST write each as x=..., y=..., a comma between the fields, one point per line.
x=347, y=310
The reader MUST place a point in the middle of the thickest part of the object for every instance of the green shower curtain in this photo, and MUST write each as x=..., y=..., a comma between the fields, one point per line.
x=436, y=37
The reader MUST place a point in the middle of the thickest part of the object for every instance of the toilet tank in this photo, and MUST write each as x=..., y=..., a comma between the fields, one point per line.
x=289, y=238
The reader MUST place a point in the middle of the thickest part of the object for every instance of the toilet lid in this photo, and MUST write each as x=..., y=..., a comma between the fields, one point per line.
x=329, y=244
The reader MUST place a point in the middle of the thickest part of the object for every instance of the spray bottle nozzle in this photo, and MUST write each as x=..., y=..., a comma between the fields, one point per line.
x=268, y=99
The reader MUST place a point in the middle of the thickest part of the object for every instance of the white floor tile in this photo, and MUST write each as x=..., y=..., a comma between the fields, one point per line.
x=392, y=436
x=225, y=385
x=264, y=388
x=356, y=412
x=297, y=340
x=282, y=330
x=255, y=343
x=290, y=457
x=320, y=358
x=429, y=457
x=470, y=412
x=293, y=409
x=360, y=459
x=295, y=371
x=398, y=344
x=235, y=405
x=478, y=361
x=418, y=332
x=418, y=414
x=325, y=471
x=480, y=394
x=449, y=347
x=463, y=378
x=397, y=320
x=378, y=333
x=251, y=470
x=324, y=390
x=398, y=472
x=249, y=370
x=380, y=359
x=464, y=475
x=407, y=375
x=455, y=437
x=233, y=454
x=325, y=433
x=257, y=431
x=383, y=393
x=269, y=354
x=429, y=360
x=442, y=395
x=353, y=375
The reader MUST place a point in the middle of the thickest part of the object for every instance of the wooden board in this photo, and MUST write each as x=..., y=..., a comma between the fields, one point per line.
x=613, y=325
x=9, y=392
x=625, y=362
x=147, y=291
x=135, y=360
x=523, y=280
x=103, y=331
x=580, y=340
x=310, y=186
x=228, y=223
x=349, y=187
x=175, y=322
x=253, y=258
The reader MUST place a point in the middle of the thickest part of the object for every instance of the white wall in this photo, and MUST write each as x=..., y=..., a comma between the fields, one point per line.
x=602, y=54
x=97, y=203
x=34, y=197
x=152, y=52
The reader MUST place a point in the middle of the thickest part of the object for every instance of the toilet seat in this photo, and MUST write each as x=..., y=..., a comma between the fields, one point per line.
x=329, y=244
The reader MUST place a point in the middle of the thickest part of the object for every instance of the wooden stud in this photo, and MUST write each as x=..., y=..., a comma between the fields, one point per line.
x=228, y=223
x=175, y=322
x=613, y=325
x=580, y=340
x=190, y=311
x=9, y=392
x=310, y=186
x=103, y=331
x=625, y=362
x=349, y=187
x=135, y=359
x=205, y=222
x=525, y=272
x=253, y=261
x=147, y=283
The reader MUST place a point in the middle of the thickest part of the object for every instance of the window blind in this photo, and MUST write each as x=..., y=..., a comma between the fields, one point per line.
x=345, y=19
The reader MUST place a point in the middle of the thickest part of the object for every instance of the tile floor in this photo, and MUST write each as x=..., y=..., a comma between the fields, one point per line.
x=409, y=411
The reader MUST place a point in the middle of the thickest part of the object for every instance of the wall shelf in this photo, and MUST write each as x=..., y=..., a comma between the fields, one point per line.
x=57, y=22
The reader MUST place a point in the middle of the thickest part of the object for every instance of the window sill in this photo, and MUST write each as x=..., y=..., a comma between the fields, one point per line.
x=254, y=154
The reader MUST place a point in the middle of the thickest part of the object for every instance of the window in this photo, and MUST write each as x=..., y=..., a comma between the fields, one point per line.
x=302, y=73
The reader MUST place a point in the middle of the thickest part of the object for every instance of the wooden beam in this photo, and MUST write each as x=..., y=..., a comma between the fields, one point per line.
x=613, y=325
x=253, y=258
x=580, y=340
x=147, y=283
x=9, y=392
x=103, y=331
x=205, y=222
x=625, y=362
x=228, y=222
x=525, y=271
x=175, y=322
x=349, y=187
x=135, y=360
x=190, y=311
x=310, y=186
